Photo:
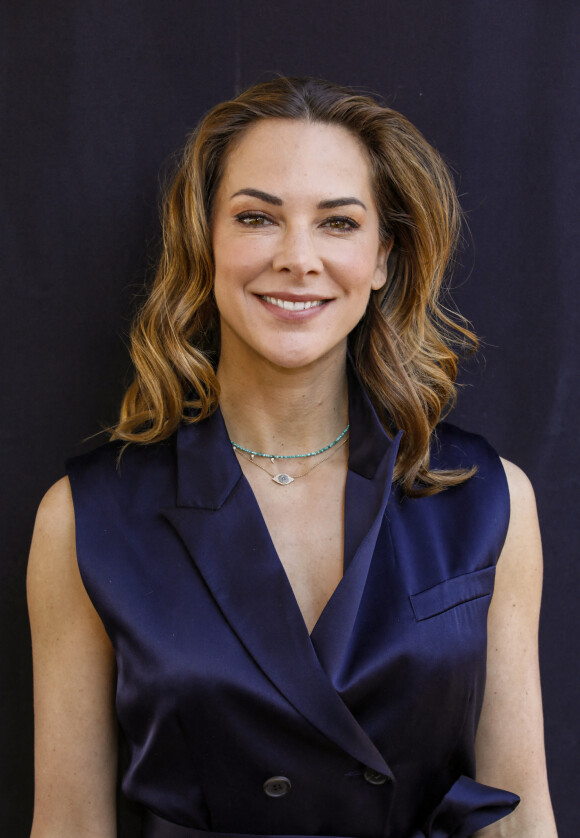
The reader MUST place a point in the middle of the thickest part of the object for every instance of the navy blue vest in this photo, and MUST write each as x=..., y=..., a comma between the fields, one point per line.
x=239, y=721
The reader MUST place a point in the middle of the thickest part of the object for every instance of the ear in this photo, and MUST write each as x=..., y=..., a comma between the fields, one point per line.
x=380, y=274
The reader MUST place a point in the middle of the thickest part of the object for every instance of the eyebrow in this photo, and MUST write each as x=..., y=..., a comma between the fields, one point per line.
x=340, y=202
x=278, y=202
x=262, y=196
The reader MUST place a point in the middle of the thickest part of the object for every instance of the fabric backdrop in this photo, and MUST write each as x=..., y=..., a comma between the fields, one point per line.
x=94, y=99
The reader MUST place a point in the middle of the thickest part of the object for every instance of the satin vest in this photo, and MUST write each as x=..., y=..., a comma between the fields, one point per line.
x=236, y=720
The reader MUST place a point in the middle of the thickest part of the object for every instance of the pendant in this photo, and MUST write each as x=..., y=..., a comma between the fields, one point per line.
x=283, y=479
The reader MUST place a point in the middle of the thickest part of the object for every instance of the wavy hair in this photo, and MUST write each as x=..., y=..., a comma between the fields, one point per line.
x=406, y=346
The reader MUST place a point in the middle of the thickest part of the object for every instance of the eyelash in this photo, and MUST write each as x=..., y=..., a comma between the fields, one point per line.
x=350, y=224
x=245, y=217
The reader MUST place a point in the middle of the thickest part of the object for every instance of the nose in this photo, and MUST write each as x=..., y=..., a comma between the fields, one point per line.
x=296, y=253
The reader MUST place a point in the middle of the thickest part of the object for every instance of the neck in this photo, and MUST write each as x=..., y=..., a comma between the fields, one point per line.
x=283, y=411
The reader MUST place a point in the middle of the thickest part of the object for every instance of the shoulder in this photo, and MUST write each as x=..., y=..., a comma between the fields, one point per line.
x=521, y=491
x=518, y=583
x=54, y=524
x=521, y=558
x=476, y=510
x=116, y=473
x=52, y=574
x=454, y=447
x=117, y=458
x=463, y=528
x=485, y=495
x=56, y=501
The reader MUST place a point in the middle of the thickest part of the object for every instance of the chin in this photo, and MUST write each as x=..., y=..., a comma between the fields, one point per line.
x=305, y=358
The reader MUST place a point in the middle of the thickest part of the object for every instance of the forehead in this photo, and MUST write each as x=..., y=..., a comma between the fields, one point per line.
x=294, y=153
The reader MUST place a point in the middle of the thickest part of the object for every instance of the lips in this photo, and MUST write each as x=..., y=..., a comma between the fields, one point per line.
x=292, y=305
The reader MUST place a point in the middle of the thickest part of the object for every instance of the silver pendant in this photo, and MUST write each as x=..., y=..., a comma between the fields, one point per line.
x=283, y=479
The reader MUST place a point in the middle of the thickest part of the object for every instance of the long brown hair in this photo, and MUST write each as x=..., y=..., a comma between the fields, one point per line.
x=404, y=348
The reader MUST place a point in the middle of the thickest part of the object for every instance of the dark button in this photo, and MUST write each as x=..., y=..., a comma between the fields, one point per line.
x=375, y=778
x=277, y=786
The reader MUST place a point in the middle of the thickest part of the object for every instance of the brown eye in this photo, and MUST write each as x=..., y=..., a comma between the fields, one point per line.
x=341, y=223
x=252, y=219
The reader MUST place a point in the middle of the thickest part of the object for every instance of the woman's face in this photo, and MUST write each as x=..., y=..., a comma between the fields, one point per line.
x=296, y=245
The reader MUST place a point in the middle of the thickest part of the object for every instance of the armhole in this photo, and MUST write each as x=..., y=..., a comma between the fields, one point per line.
x=488, y=488
x=80, y=483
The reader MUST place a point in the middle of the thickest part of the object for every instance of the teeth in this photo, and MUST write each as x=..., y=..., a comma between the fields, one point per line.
x=288, y=305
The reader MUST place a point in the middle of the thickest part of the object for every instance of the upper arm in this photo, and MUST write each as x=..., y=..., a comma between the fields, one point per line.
x=510, y=738
x=75, y=730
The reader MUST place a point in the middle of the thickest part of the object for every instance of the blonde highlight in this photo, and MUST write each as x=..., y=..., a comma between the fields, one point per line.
x=407, y=346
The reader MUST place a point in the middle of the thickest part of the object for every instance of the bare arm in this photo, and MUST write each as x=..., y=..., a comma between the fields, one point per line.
x=510, y=738
x=75, y=730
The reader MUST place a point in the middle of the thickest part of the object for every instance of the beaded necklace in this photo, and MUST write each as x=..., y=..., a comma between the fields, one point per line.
x=284, y=479
x=274, y=457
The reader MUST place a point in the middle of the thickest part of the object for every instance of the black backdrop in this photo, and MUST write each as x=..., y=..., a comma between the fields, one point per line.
x=96, y=94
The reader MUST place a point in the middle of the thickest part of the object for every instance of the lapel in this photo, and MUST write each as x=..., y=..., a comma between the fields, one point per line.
x=222, y=528
x=368, y=488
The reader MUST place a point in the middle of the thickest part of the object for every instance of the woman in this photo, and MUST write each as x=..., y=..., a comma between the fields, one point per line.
x=284, y=562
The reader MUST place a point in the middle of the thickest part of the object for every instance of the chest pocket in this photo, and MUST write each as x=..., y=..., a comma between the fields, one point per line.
x=452, y=592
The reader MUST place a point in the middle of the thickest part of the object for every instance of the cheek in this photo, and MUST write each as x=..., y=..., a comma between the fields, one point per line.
x=358, y=272
x=238, y=261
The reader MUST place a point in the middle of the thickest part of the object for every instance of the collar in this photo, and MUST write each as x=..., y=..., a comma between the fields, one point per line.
x=208, y=470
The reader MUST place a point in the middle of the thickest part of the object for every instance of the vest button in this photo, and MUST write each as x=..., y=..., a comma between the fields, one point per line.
x=277, y=786
x=375, y=778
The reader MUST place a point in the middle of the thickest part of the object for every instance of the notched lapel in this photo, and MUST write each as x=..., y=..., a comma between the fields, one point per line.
x=206, y=470
x=220, y=523
x=365, y=504
x=371, y=464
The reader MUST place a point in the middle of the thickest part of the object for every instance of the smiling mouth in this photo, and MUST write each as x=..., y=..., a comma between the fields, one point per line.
x=290, y=305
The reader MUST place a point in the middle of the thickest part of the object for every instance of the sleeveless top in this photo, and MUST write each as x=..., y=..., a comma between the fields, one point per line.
x=236, y=720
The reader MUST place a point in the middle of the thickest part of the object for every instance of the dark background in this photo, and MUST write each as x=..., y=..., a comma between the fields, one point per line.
x=95, y=96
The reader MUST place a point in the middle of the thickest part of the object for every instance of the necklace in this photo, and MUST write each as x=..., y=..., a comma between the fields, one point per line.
x=284, y=479
x=274, y=457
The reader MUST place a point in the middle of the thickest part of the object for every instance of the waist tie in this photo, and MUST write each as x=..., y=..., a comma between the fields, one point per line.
x=467, y=807
x=156, y=827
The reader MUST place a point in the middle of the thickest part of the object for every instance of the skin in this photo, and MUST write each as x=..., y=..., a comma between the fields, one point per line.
x=510, y=739
x=283, y=242
x=283, y=388
x=75, y=734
